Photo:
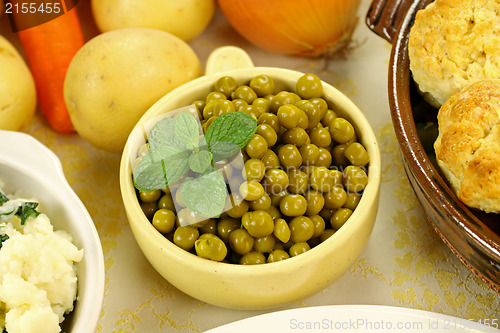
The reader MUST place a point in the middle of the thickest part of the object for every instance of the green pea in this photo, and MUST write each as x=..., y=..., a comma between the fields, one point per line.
x=355, y=178
x=143, y=150
x=319, y=225
x=356, y=154
x=166, y=202
x=315, y=202
x=236, y=206
x=150, y=196
x=280, y=99
x=340, y=217
x=209, y=246
x=328, y=117
x=277, y=255
x=268, y=133
x=298, y=182
x=253, y=258
x=312, y=111
x=258, y=223
x=200, y=104
x=226, y=226
x=226, y=85
x=293, y=205
x=288, y=115
x=264, y=244
x=253, y=169
x=321, y=104
x=335, y=198
x=149, y=209
x=326, y=234
x=270, y=119
x=282, y=230
x=209, y=227
x=251, y=190
x=342, y=131
x=338, y=155
x=253, y=110
x=256, y=147
x=239, y=104
x=263, y=103
x=208, y=110
x=223, y=107
x=185, y=237
x=270, y=160
x=240, y=241
x=263, y=85
x=264, y=203
x=215, y=96
x=309, y=86
x=245, y=93
x=164, y=220
x=352, y=200
x=324, y=158
x=326, y=213
x=274, y=212
x=299, y=248
x=301, y=229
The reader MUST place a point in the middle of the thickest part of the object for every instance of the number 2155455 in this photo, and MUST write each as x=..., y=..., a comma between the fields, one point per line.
x=33, y=8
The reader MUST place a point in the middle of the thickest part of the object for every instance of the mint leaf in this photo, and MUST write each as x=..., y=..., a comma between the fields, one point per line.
x=26, y=210
x=160, y=168
x=205, y=195
x=149, y=174
x=3, y=238
x=222, y=150
x=187, y=130
x=235, y=128
x=200, y=161
x=163, y=135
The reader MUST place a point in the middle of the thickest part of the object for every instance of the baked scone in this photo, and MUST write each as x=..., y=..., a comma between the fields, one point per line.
x=452, y=44
x=468, y=145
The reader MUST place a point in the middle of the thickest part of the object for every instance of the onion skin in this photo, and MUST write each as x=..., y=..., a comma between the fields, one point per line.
x=305, y=28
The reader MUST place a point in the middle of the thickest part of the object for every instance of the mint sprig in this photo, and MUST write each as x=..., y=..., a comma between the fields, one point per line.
x=176, y=148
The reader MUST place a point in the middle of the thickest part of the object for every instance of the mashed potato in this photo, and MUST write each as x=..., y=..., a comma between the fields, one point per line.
x=37, y=272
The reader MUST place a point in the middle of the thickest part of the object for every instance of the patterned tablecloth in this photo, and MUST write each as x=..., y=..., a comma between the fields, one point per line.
x=405, y=263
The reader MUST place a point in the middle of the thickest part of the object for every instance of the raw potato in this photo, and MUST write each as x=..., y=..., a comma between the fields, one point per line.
x=184, y=18
x=17, y=89
x=118, y=75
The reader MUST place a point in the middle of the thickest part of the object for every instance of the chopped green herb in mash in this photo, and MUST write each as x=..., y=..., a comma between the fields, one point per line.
x=3, y=198
x=3, y=238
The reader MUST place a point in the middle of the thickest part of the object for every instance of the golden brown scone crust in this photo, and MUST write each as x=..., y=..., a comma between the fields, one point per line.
x=468, y=145
x=452, y=44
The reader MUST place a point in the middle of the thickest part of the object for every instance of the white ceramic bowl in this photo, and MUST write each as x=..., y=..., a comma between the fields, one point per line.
x=256, y=286
x=28, y=165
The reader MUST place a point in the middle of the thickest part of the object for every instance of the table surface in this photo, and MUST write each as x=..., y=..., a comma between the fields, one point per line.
x=405, y=263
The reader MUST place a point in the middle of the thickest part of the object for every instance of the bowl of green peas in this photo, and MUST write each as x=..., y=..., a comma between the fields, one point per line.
x=251, y=187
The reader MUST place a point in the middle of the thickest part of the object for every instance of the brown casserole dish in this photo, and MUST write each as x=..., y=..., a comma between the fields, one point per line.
x=472, y=235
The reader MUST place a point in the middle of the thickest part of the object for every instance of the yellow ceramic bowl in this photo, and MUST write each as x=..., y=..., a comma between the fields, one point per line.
x=257, y=286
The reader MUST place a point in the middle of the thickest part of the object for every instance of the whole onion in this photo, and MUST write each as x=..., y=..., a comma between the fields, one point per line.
x=306, y=28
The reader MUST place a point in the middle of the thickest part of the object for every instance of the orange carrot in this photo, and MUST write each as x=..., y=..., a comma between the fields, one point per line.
x=49, y=49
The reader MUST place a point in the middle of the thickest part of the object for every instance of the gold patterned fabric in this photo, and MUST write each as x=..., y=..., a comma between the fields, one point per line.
x=405, y=263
